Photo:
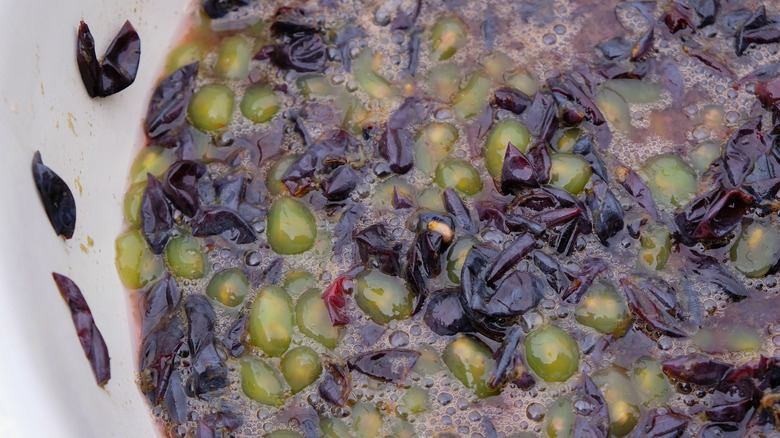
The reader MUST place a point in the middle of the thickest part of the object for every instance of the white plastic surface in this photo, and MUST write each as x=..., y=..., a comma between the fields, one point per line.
x=46, y=386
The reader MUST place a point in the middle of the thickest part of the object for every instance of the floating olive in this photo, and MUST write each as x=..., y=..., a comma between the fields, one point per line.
x=414, y=401
x=650, y=381
x=383, y=192
x=569, y=172
x=428, y=363
x=260, y=382
x=471, y=362
x=447, y=36
x=300, y=367
x=636, y=91
x=431, y=198
x=496, y=64
x=290, y=226
x=456, y=255
x=621, y=398
x=233, y=58
x=228, y=286
x=614, y=108
x=383, y=297
x=211, y=107
x=603, y=309
x=560, y=419
x=433, y=142
x=366, y=420
x=375, y=85
x=132, y=204
x=313, y=319
x=458, y=174
x=182, y=55
x=565, y=140
x=671, y=181
x=152, y=159
x=504, y=132
x=297, y=282
x=135, y=262
x=443, y=81
x=259, y=103
x=523, y=80
x=552, y=353
x=656, y=242
x=472, y=98
x=757, y=250
x=334, y=428
x=184, y=255
x=703, y=155
x=273, y=179
x=313, y=84
x=271, y=321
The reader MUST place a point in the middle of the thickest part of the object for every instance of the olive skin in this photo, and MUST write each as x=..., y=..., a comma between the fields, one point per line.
x=314, y=320
x=603, y=309
x=656, y=247
x=233, y=58
x=448, y=34
x=472, y=98
x=569, y=172
x=260, y=103
x=228, y=287
x=459, y=175
x=184, y=255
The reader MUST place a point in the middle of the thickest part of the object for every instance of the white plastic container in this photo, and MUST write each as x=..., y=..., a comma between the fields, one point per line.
x=47, y=388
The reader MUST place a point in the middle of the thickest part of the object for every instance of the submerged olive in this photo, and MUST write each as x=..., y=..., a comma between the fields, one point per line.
x=569, y=172
x=313, y=319
x=414, y=401
x=504, y=132
x=383, y=297
x=457, y=255
x=152, y=159
x=656, y=242
x=560, y=419
x=184, y=255
x=260, y=103
x=228, y=286
x=314, y=84
x=523, y=80
x=443, y=81
x=233, y=58
x=290, y=227
x=260, y=382
x=603, y=309
x=614, y=108
x=447, y=36
x=433, y=142
x=431, y=198
x=472, y=98
x=366, y=420
x=458, y=174
x=334, y=428
x=132, y=204
x=365, y=67
x=703, y=155
x=650, y=381
x=271, y=321
x=565, y=139
x=636, y=91
x=757, y=250
x=297, y=282
x=428, y=363
x=182, y=55
x=496, y=64
x=621, y=398
x=135, y=262
x=211, y=107
x=471, y=362
x=670, y=179
x=385, y=191
x=273, y=179
x=552, y=353
x=300, y=367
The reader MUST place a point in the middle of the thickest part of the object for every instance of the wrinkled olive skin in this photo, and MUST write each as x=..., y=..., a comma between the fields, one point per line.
x=670, y=179
x=383, y=297
x=300, y=367
x=504, y=132
x=260, y=382
x=552, y=353
x=757, y=250
x=314, y=320
x=569, y=172
x=185, y=256
x=271, y=321
x=471, y=362
x=603, y=309
x=290, y=226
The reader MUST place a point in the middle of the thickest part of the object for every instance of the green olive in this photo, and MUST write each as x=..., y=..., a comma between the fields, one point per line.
x=565, y=139
x=569, y=172
x=182, y=55
x=383, y=297
x=471, y=362
x=432, y=144
x=621, y=397
x=757, y=250
x=414, y=401
x=366, y=420
x=650, y=381
x=283, y=434
x=656, y=243
x=271, y=321
x=443, y=81
x=211, y=107
x=314, y=320
x=522, y=79
x=273, y=179
x=314, y=84
x=135, y=262
x=260, y=382
x=300, y=367
x=496, y=64
x=228, y=286
x=430, y=198
x=375, y=85
x=504, y=132
x=334, y=428
x=297, y=282
x=260, y=103
x=703, y=155
x=184, y=255
x=456, y=255
x=428, y=363
x=152, y=159
x=472, y=98
x=384, y=191
x=671, y=181
x=743, y=339
x=560, y=419
x=290, y=226
x=604, y=309
x=355, y=114
x=458, y=174
x=614, y=108
x=402, y=429
x=552, y=353
x=447, y=36
x=233, y=58
x=132, y=204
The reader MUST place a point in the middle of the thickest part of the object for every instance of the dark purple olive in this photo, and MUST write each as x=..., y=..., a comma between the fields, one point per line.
x=89, y=335
x=158, y=304
x=444, y=314
x=86, y=58
x=209, y=371
x=459, y=211
x=305, y=53
x=119, y=66
x=168, y=105
x=401, y=201
x=396, y=146
x=665, y=425
x=181, y=185
x=742, y=149
x=220, y=8
x=56, y=197
x=217, y=220
x=564, y=240
x=509, y=257
x=390, y=365
x=565, y=88
x=606, y=210
x=374, y=249
x=511, y=99
x=649, y=311
x=291, y=22
x=539, y=156
x=236, y=332
x=697, y=369
x=336, y=385
x=340, y=183
x=156, y=216
x=507, y=354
